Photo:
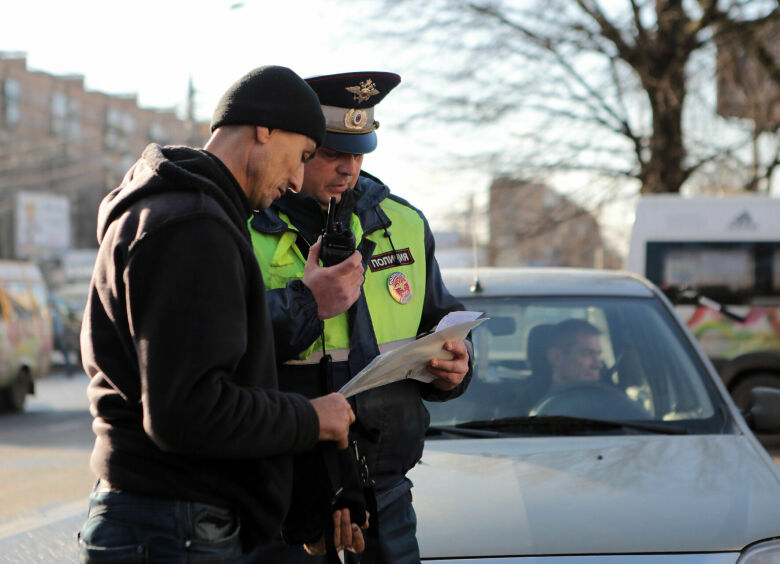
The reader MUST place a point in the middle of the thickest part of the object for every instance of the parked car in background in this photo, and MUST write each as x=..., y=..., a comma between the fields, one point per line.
x=25, y=332
x=616, y=448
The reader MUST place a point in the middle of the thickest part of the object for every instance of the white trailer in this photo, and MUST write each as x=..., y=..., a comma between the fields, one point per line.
x=727, y=249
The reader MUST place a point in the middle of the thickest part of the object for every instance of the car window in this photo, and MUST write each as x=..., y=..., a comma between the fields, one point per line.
x=617, y=359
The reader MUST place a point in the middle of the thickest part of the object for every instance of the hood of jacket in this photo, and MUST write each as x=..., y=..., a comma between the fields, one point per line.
x=174, y=169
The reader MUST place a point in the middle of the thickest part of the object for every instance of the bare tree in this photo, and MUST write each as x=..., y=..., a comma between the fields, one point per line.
x=622, y=89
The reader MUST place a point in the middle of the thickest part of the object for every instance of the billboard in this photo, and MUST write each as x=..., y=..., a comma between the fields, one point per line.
x=42, y=225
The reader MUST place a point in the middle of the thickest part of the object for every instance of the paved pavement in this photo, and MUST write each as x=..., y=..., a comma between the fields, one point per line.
x=44, y=456
x=52, y=543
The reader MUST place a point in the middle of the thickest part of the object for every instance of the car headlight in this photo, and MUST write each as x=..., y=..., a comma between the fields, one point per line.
x=761, y=553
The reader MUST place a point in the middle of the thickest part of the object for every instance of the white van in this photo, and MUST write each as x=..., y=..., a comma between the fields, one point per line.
x=726, y=249
x=25, y=332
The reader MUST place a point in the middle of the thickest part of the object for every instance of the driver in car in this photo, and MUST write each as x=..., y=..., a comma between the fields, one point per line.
x=577, y=384
x=574, y=353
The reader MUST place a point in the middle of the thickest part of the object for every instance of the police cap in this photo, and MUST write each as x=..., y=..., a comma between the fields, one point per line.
x=348, y=102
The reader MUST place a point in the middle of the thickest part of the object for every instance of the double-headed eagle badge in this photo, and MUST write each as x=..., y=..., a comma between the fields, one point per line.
x=363, y=91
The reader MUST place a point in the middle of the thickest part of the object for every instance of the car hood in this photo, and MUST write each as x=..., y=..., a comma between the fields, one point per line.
x=594, y=495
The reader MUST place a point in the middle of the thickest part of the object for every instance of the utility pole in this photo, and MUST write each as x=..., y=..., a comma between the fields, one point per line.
x=192, y=128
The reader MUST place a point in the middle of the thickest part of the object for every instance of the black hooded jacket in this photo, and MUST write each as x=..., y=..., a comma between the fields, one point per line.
x=178, y=344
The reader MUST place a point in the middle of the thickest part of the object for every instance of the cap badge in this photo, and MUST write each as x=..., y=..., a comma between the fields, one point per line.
x=399, y=287
x=363, y=91
x=355, y=119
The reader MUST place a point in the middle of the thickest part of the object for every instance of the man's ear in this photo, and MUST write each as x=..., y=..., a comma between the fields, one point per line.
x=262, y=134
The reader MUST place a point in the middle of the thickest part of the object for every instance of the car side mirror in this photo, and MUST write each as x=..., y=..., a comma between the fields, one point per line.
x=763, y=410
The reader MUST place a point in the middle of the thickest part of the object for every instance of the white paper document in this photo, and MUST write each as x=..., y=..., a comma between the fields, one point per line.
x=456, y=317
x=410, y=360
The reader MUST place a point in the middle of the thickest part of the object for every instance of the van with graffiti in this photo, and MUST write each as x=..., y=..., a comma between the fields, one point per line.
x=718, y=259
x=25, y=332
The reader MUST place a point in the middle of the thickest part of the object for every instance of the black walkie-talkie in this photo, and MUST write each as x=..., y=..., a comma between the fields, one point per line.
x=338, y=241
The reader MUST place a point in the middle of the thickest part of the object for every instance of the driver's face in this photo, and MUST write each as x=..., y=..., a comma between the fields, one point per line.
x=581, y=362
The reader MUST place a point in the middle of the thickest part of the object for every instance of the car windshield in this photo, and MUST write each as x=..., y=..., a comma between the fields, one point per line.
x=567, y=361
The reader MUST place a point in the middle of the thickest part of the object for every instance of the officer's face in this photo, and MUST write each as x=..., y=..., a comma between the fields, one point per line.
x=330, y=173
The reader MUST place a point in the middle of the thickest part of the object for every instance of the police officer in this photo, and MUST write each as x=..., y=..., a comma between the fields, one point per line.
x=387, y=292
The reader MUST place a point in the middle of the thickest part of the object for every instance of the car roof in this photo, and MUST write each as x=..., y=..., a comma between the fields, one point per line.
x=545, y=281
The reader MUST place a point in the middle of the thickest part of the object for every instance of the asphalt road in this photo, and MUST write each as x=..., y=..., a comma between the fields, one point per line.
x=44, y=475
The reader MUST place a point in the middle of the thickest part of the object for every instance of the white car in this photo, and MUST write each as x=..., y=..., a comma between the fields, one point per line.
x=649, y=462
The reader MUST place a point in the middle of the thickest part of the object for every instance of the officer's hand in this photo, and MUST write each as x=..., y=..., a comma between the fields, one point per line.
x=335, y=416
x=346, y=535
x=336, y=287
x=450, y=373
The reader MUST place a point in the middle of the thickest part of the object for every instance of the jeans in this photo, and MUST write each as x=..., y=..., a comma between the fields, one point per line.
x=123, y=527
x=397, y=534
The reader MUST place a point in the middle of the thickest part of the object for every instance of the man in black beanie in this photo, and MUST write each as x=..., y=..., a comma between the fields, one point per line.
x=193, y=438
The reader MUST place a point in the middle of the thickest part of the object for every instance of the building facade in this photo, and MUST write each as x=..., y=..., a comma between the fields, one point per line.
x=745, y=86
x=532, y=225
x=58, y=139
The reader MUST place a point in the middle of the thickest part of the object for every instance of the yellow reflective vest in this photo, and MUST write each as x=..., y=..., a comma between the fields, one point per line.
x=395, y=275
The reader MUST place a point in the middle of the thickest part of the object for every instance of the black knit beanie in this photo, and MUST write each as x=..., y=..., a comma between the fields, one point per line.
x=274, y=97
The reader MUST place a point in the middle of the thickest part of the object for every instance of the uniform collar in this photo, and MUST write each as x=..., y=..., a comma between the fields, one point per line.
x=371, y=193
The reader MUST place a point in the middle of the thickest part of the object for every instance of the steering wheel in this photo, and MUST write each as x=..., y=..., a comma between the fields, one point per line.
x=595, y=400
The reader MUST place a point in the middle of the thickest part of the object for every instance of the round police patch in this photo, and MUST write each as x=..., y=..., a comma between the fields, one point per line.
x=399, y=287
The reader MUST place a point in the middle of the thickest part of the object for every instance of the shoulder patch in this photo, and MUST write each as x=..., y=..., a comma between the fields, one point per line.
x=390, y=259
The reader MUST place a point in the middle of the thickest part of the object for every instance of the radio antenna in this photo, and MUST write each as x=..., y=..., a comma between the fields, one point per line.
x=476, y=287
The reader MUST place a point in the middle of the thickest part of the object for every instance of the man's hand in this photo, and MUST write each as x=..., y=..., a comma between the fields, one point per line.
x=335, y=416
x=450, y=373
x=336, y=287
x=346, y=535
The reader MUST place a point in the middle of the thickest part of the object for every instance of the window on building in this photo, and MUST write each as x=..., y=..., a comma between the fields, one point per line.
x=120, y=125
x=12, y=111
x=128, y=124
x=59, y=114
x=74, y=120
x=113, y=124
